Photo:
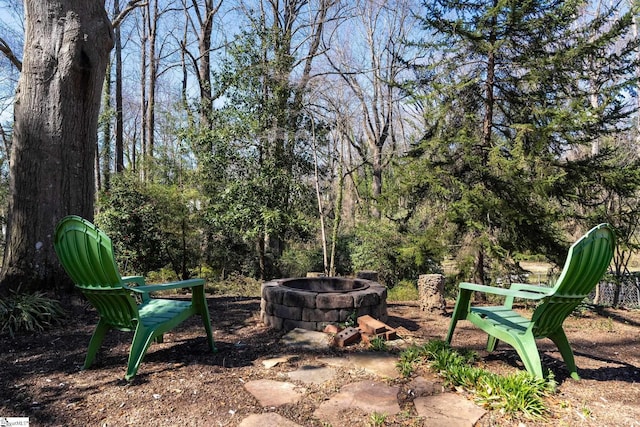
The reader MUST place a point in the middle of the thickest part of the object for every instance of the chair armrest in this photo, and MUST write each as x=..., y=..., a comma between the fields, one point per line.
x=502, y=291
x=167, y=286
x=531, y=288
x=139, y=280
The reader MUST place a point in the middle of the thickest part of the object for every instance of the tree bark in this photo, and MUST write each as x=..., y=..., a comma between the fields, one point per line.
x=205, y=21
x=67, y=45
x=152, y=28
x=119, y=107
x=431, y=293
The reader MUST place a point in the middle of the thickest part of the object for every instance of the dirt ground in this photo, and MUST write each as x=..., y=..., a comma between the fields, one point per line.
x=180, y=383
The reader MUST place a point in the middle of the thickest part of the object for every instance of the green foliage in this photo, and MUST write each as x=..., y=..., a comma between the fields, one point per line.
x=163, y=275
x=409, y=358
x=405, y=367
x=151, y=225
x=30, y=312
x=515, y=393
x=378, y=344
x=379, y=246
x=235, y=285
x=377, y=419
x=509, y=124
x=253, y=163
x=406, y=290
x=519, y=393
x=298, y=259
x=352, y=320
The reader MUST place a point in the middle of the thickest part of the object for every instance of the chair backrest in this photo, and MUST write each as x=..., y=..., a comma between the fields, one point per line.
x=86, y=254
x=587, y=261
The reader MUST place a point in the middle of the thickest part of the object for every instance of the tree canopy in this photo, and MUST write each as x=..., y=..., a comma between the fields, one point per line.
x=273, y=138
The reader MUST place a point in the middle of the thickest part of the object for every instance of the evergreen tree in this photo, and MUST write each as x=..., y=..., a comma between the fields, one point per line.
x=509, y=103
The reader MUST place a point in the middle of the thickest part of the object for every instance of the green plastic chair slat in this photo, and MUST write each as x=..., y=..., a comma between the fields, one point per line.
x=587, y=261
x=86, y=254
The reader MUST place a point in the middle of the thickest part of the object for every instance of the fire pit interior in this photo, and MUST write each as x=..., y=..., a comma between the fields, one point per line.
x=313, y=302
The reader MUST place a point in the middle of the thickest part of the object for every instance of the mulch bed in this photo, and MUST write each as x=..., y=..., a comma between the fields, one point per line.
x=180, y=383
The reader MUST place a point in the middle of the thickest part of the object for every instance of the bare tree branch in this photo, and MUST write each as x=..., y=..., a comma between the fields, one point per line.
x=130, y=6
x=6, y=50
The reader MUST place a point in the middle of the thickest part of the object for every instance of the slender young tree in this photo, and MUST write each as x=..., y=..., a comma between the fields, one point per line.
x=371, y=69
x=119, y=123
x=200, y=19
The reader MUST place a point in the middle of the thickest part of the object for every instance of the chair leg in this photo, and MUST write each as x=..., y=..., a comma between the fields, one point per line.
x=528, y=352
x=95, y=342
x=206, y=319
x=560, y=340
x=459, y=312
x=141, y=341
x=200, y=301
x=492, y=342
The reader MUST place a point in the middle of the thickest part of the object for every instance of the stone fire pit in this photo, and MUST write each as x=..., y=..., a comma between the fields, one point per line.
x=313, y=302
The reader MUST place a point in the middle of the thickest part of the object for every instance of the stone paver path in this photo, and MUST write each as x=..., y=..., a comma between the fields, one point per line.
x=368, y=396
x=431, y=402
x=308, y=340
x=447, y=410
x=309, y=374
x=377, y=363
x=267, y=420
x=274, y=393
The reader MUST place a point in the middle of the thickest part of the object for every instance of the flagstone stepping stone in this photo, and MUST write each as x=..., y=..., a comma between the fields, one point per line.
x=307, y=340
x=274, y=393
x=275, y=361
x=420, y=387
x=377, y=363
x=313, y=374
x=266, y=420
x=368, y=396
x=448, y=410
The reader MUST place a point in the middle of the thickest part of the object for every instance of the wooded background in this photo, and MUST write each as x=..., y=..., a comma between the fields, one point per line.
x=268, y=138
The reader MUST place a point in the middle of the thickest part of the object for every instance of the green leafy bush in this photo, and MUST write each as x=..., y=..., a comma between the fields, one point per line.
x=409, y=358
x=299, y=259
x=25, y=312
x=378, y=344
x=378, y=246
x=151, y=226
x=519, y=392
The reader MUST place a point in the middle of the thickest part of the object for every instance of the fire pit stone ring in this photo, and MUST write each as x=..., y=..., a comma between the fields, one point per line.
x=313, y=302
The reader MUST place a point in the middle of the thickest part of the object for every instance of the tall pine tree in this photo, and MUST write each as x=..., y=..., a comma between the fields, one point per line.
x=512, y=93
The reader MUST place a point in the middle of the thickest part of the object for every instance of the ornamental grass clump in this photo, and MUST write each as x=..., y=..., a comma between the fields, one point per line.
x=28, y=312
x=518, y=393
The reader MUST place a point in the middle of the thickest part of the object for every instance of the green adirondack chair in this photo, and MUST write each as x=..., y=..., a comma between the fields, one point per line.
x=86, y=254
x=587, y=261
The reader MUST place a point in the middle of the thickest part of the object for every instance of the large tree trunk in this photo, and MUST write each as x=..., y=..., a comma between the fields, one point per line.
x=67, y=44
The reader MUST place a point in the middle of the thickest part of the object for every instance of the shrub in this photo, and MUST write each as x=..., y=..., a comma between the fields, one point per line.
x=26, y=312
x=151, y=226
x=395, y=256
x=236, y=285
x=300, y=258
